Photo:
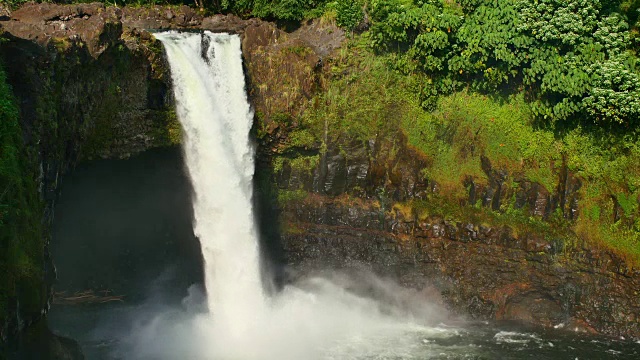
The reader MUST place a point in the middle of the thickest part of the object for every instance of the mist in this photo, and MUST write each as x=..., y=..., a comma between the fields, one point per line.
x=334, y=316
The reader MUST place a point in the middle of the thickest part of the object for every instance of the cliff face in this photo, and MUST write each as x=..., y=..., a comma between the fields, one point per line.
x=82, y=95
x=92, y=82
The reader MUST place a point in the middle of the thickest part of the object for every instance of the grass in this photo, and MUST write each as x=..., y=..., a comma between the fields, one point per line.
x=361, y=99
x=467, y=126
x=609, y=164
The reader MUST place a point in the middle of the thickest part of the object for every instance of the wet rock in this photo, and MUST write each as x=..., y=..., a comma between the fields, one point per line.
x=40, y=343
x=332, y=177
x=499, y=276
x=533, y=307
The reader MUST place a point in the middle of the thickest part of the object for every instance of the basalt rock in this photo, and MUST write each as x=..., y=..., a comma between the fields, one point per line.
x=486, y=273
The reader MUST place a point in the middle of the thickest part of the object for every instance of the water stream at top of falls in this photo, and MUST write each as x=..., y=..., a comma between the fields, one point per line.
x=212, y=107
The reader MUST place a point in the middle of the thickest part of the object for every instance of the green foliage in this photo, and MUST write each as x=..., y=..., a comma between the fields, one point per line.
x=302, y=138
x=560, y=23
x=21, y=242
x=13, y=3
x=465, y=127
x=614, y=96
x=609, y=164
x=288, y=10
x=489, y=46
x=304, y=164
x=363, y=99
x=292, y=10
x=349, y=13
x=570, y=56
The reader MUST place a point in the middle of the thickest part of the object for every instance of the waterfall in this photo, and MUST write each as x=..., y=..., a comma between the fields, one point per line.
x=212, y=106
x=315, y=318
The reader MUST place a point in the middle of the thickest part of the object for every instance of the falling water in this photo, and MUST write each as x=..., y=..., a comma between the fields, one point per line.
x=212, y=106
x=318, y=318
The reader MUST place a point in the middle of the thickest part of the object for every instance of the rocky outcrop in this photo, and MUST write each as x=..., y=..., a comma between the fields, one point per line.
x=93, y=24
x=485, y=271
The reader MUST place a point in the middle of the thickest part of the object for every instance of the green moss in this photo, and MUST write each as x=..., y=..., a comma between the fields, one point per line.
x=166, y=128
x=61, y=44
x=299, y=50
x=278, y=164
x=466, y=126
x=304, y=164
x=516, y=219
x=288, y=196
x=302, y=138
x=282, y=119
x=21, y=233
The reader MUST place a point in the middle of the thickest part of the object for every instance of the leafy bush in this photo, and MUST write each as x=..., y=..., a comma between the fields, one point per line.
x=292, y=10
x=615, y=93
x=571, y=57
x=349, y=13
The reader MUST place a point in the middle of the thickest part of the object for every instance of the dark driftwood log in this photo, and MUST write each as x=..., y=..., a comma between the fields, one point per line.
x=85, y=297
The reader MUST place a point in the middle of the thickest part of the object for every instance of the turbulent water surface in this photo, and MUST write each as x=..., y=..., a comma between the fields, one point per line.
x=233, y=317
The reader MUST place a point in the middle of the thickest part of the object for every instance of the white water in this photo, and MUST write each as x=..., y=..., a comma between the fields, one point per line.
x=318, y=319
x=212, y=106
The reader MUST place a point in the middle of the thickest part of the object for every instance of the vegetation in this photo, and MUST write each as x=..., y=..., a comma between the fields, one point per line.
x=21, y=237
x=349, y=13
x=575, y=60
x=379, y=84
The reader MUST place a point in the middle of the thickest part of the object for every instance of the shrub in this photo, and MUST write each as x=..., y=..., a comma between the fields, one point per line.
x=349, y=13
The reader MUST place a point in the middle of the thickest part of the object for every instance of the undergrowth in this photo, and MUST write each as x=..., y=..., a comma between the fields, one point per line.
x=367, y=98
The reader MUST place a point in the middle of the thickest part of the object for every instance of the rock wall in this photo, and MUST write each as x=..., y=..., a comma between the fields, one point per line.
x=484, y=271
x=92, y=82
x=84, y=90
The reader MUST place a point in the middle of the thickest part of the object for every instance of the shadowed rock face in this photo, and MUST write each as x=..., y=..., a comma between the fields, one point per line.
x=92, y=83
